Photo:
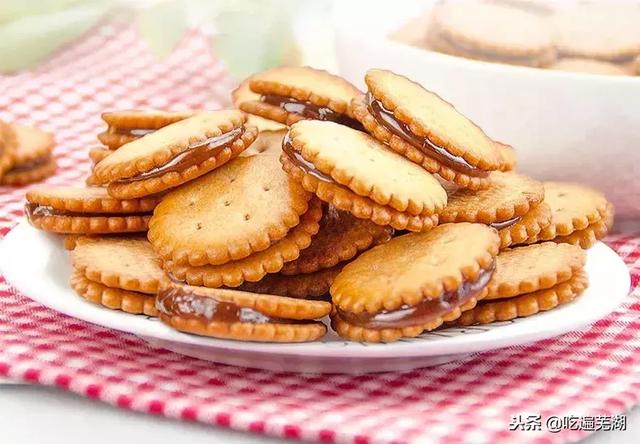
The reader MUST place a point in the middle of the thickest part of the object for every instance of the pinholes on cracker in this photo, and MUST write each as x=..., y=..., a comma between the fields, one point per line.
x=352, y=171
x=257, y=265
x=228, y=214
x=430, y=132
x=414, y=282
x=129, y=125
x=290, y=94
x=76, y=210
x=175, y=154
x=231, y=314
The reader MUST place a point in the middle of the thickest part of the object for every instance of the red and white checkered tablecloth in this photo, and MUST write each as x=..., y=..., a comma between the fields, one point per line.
x=590, y=372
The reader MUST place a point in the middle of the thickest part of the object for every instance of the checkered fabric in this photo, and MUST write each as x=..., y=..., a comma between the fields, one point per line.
x=590, y=372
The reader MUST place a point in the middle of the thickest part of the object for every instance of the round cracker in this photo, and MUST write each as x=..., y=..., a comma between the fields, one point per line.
x=526, y=304
x=228, y=214
x=127, y=263
x=88, y=200
x=428, y=115
x=243, y=94
x=415, y=267
x=534, y=267
x=257, y=265
x=32, y=175
x=113, y=298
x=341, y=237
x=360, y=163
x=509, y=195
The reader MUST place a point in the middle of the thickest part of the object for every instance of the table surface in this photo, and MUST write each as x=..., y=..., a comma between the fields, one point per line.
x=28, y=413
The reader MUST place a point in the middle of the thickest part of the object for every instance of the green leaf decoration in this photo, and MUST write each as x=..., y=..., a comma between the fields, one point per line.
x=26, y=41
x=162, y=25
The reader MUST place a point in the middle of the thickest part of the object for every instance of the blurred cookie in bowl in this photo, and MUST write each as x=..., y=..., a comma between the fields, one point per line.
x=492, y=32
x=600, y=31
x=589, y=66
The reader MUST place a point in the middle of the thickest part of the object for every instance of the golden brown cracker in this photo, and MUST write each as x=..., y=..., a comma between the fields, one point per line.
x=257, y=265
x=228, y=214
x=525, y=305
x=128, y=263
x=527, y=228
x=113, y=298
x=341, y=237
x=306, y=286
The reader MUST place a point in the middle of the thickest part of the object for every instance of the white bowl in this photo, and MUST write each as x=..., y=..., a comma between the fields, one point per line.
x=564, y=126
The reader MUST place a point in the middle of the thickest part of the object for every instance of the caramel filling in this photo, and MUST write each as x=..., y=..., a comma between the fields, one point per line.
x=131, y=132
x=296, y=158
x=386, y=118
x=424, y=312
x=178, y=302
x=505, y=224
x=310, y=111
x=195, y=154
x=34, y=210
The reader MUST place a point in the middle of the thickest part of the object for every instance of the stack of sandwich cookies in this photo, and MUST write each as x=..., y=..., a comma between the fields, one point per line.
x=513, y=205
x=77, y=210
x=243, y=94
x=579, y=215
x=174, y=154
x=290, y=94
x=528, y=280
x=7, y=147
x=126, y=126
x=427, y=130
x=493, y=32
x=340, y=238
x=356, y=173
x=232, y=314
x=414, y=282
x=121, y=273
x=235, y=224
x=32, y=156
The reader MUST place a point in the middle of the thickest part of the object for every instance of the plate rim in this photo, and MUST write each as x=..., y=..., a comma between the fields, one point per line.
x=471, y=343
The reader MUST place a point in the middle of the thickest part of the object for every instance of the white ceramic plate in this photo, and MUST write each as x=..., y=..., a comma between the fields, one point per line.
x=38, y=266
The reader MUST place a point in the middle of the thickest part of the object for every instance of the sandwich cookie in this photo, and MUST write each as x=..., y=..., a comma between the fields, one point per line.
x=617, y=39
x=492, y=32
x=127, y=126
x=427, y=130
x=231, y=213
x=77, y=210
x=257, y=265
x=588, y=66
x=528, y=280
x=239, y=315
x=414, y=282
x=354, y=172
x=314, y=285
x=290, y=94
x=175, y=154
x=121, y=273
x=8, y=145
x=33, y=159
x=341, y=237
x=243, y=94
x=579, y=215
x=512, y=205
